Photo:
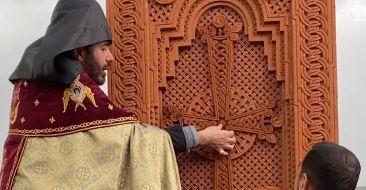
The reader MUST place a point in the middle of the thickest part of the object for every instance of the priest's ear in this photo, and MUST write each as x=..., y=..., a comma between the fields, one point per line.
x=303, y=182
x=79, y=54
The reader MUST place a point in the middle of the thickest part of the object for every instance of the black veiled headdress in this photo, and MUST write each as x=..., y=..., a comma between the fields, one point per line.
x=74, y=24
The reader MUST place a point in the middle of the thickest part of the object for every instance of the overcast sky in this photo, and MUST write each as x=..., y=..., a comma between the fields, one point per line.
x=23, y=21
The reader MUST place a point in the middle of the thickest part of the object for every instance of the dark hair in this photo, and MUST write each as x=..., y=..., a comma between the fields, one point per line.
x=67, y=66
x=331, y=167
x=70, y=54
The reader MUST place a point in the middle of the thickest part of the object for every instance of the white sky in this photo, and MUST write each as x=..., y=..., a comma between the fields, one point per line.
x=23, y=21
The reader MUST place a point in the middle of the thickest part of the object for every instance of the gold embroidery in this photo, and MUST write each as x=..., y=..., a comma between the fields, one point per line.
x=73, y=128
x=52, y=119
x=14, y=109
x=83, y=173
x=22, y=120
x=77, y=93
x=36, y=103
x=25, y=83
x=40, y=167
x=66, y=148
x=74, y=170
x=110, y=107
x=14, y=113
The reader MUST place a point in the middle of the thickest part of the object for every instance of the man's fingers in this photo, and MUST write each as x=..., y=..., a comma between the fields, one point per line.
x=229, y=147
x=222, y=152
x=219, y=126
x=232, y=140
x=216, y=127
x=228, y=133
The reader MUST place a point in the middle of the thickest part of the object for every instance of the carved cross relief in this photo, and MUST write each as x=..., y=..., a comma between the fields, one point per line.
x=213, y=107
x=263, y=68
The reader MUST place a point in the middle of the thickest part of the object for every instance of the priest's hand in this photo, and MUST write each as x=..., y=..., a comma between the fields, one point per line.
x=217, y=138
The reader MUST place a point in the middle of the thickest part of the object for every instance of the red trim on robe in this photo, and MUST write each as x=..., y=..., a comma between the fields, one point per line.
x=13, y=151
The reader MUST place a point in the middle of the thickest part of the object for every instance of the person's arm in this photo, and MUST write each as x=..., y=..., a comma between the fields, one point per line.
x=178, y=138
x=186, y=138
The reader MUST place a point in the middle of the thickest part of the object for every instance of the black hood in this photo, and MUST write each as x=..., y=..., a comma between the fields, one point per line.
x=74, y=24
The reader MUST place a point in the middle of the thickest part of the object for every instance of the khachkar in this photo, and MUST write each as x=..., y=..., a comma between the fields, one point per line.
x=264, y=68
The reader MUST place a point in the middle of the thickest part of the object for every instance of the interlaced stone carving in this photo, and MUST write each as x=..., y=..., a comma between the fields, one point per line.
x=216, y=93
x=160, y=10
x=315, y=70
x=279, y=7
x=125, y=76
x=264, y=68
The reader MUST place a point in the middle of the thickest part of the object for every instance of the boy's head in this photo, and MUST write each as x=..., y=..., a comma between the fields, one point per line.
x=328, y=166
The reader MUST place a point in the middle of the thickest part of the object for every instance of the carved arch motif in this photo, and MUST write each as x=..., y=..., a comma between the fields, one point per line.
x=262, y=29
x=291, y=43
x=210, y=103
